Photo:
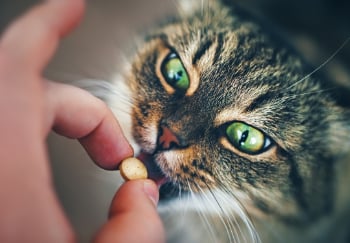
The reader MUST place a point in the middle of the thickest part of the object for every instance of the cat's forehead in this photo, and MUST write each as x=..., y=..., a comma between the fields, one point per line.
x=226, y=65
x=199, y=45
x=217, y=64
x=242, y=49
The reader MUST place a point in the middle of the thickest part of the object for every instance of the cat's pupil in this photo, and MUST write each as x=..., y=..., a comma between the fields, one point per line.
x=244, y=137
x=175, y=76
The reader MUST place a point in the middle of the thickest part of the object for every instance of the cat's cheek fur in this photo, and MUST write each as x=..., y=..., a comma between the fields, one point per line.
x=146, y=137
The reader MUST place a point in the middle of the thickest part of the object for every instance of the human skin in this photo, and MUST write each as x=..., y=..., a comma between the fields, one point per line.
x=30, y=107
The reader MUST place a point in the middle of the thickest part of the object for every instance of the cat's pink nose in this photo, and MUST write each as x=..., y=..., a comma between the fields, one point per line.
x=167, y=138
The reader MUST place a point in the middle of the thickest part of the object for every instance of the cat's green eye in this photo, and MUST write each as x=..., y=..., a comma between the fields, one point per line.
x=175, y=73
x=247, y=138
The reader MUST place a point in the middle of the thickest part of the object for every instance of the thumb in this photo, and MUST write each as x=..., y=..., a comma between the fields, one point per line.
x=133, y=215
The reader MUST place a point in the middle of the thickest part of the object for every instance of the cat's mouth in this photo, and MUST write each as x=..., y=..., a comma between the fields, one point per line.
x=167, y=188
x=155, y=173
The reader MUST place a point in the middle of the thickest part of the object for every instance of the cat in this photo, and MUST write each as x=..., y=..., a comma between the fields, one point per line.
x=246, y=142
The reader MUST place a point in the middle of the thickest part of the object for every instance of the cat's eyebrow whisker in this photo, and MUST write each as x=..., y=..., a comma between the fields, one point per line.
x=206, y=13
x=322, y=65
x=309, y=93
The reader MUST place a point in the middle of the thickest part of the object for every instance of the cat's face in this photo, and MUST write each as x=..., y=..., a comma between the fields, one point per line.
x=219, y=106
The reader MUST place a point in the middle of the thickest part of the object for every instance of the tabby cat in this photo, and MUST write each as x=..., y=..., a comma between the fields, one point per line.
x=245, y=141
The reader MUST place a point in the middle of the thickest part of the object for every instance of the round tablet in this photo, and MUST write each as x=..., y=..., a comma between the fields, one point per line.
x=132, y=169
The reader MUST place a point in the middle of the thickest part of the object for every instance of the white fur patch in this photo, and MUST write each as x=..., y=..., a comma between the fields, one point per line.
x=149, y=135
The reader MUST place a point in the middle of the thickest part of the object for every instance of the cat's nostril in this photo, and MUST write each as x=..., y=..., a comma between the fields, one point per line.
x=168, y=139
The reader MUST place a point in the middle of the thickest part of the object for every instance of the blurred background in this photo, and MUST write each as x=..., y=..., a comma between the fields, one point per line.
x=101, y=43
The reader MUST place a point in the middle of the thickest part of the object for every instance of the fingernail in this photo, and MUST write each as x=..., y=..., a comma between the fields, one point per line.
x=151, y=190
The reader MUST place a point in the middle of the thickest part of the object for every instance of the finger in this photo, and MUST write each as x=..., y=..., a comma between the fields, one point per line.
x=133, y=215
x=31, y=40
x=75, y=113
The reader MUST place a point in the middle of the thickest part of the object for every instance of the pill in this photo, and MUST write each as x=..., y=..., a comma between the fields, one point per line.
x=132, y=169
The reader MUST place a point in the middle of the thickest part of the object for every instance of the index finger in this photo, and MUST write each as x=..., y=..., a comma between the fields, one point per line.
x=75, y=113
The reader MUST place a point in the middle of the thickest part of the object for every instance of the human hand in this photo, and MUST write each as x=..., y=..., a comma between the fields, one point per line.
x=30, y=106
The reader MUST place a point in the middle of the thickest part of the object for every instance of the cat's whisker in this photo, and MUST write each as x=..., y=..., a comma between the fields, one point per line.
x=65, y=76
x=124, y=111
x=231, y=232
x=236, y=209
x=241, y=211
x=202, y=7
x=180, y=192
x=105, y=91
x=232, y=218
x=178, y=6
x=200, y=212
x=322, y=65
x=226, y=217
x=186, y=201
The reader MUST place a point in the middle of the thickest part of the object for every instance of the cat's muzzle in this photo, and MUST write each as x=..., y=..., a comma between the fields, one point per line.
x=167, y=189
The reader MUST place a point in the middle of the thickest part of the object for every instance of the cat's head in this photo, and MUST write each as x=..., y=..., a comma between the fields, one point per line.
x=222, y=106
